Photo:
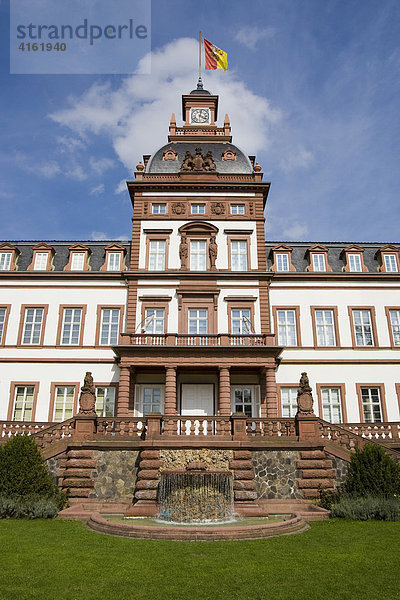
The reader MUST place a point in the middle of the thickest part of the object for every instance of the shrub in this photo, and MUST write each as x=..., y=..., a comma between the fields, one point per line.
x=372, y=471
x=367, y=508
x=326, y=498
x=24, y=474
x=28, y=508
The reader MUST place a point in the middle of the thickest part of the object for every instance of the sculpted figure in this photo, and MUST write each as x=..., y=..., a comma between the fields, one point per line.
x=198, y=161
x=209, y=164
x=183, y=251
x=213, y=251
x=87, y=399
x=187, y=164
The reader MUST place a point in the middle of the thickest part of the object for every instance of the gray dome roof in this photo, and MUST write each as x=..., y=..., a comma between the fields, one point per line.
x=240, y=165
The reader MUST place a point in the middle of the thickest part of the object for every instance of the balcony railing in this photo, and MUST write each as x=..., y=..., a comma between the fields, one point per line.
x=179, y=339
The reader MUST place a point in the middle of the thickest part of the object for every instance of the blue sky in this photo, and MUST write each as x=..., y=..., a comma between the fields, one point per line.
x=312, y=88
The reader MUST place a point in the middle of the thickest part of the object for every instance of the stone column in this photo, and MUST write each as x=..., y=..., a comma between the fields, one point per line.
x=123, y=392
x=263, y=393
x=224, y=400
x=132, y=390
x=271, y=396
x=170, y=391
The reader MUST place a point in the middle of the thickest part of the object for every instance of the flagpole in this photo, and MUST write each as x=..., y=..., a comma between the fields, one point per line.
x=199, y=54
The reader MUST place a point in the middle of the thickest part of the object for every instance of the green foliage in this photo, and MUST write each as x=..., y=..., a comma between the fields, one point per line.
x=28, y=508
x=372, y=471
x=326, y=498
x=24, y=474
x=367, y=508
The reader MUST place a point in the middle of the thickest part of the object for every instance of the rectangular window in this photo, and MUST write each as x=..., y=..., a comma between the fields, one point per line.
x=114, y=261
x=77, y=261
x=41, y=259
x=239, y=255
x=32, y=325
x=240, y=321
x=109, y=326
x=157, y=255
x=198, y=209
x=355, y=263
x=64, y=403
x=198, y=255
x=149, y=398
x=287, y=334
x=5, y=261
x=3, y=313
x=371, y=404
x=282, y=262
x=331, y=404
x=105, y=401
x=245, y=399
x=363, y=327
x=154, y=321
x=23, y=403
x=394, y=323
x=318, y=262
x=289, y=401
x=324, y=321
x=159, y=209
x=237, y=209
x=71, y=327
x=197, y=321
x=390, y=263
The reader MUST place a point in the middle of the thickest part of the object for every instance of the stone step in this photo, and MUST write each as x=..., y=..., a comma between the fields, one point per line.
x=313, y=464
x=77, y=483
x=248, y=484
x=79, y=493
x=242, y=455
x=243, y=474
x=148, y=474
x=313, y=492
x=147, y=484
x=150, y=463
x=80, y=473
x=315, y=483
x=146, y=494
x=80, y=454
x=81, y=463
x=312, y=454
x=245, y=495
x=150, y=454
x=240, y=464
x=318, y=473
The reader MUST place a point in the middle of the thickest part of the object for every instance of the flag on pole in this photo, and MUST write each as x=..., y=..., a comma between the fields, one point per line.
x=215, y=58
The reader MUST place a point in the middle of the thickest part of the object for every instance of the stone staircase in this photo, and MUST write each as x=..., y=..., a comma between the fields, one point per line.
x=316, y=471
x=244, y=485
x=78, y=481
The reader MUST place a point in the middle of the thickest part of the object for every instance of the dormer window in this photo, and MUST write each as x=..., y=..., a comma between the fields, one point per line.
x=390, y=263
x=354, y=259
x=42, y=257
x=282, y=259
x=78, y=258
x=114, y=260
x=8, y=257
x=198, y=209
x=159, y=209
x=388, y=256
x=5, y=261
x=318, y=256
x=282, y=262
x=318, y=262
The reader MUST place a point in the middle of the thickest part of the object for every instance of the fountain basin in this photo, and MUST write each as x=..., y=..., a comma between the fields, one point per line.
x=205, y=532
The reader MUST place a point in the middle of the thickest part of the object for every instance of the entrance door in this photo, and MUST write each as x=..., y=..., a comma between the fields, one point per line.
x=197, y=399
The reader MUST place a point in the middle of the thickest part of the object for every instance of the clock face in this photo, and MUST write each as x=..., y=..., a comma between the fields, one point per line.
x=200, y=115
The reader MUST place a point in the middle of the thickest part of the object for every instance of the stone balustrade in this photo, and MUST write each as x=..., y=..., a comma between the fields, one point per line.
x=175, y=339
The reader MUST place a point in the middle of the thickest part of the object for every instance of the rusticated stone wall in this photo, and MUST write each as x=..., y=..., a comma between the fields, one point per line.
x=341, y=469
x=276, y=474
x=178, y=459
x=115, y=475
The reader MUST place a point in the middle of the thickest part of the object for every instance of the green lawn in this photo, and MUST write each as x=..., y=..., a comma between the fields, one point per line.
x=63, y=560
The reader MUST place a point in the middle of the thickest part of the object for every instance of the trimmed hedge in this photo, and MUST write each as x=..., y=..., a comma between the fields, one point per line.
x=372, y=471
x=28, y=508
x=25, y=478
x=367, y=508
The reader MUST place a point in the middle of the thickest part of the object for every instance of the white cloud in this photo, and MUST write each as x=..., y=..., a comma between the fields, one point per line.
x=249, y=36
x=121, y=187
x=101, y=236
x=96, y=191
x=135, y=116
x=296, y=158
x=48, y=170
x=99, y=165
x=295, y=231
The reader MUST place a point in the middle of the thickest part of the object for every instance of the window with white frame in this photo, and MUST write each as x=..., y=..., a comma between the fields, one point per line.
x=289, y=401
x=71, y=326
x=105, y=401
x=197, y=321
x=355, y=263
x=390, y=263
x=325, y=327
x=239, y=255
x=148, y=399
x=318, y=262
x=77, y=261
x=5, y=261
x=64, y=403
x=109, y=327
x=240, y=321
x=198, y=209
x=287, y=334
x=395, y=325
x=363, y=327
x=3, y=313
x=331, y=404
x=159, y=209
x=371, y=404
x=157, y=255
x=237, y=209
x=32, y=325
x=282, y=262
x=41, y=259
x=245, y=399
x=198, y=255
x=114, y=261
x=154, y=321
x=23, y=402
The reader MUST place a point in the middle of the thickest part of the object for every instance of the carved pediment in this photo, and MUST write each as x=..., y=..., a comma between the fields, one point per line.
x=198, y=162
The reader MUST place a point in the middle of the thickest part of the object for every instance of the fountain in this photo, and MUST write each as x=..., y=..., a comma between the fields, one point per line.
x=196, y=495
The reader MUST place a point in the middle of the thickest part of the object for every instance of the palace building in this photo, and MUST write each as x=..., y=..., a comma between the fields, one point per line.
x=200, y=318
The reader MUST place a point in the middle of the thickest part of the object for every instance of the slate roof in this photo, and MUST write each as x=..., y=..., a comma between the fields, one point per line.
x=240, y=165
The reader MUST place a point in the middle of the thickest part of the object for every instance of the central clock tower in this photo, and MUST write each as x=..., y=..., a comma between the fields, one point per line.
x=199, y=107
